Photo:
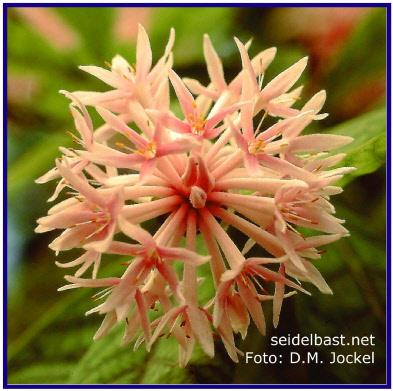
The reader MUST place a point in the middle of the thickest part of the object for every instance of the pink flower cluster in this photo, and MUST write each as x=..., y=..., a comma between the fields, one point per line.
x=210, y=173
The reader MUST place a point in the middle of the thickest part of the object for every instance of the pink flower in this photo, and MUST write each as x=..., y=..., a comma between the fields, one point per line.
x=89, y=217
x=198, y=175
x=139, y=83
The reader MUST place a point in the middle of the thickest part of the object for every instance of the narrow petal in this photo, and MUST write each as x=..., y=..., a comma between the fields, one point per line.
x=107, y=325
x=143, y=54
x=146, y=171
x=169, y=316
x=185, y=98
x=136, y=232
x=143, y=312
x=239, y=137
x=284, y=81
x=247, y=66
x=114, y=158
x=253, y=305
x=121, y=127
x=181, y=145
x=90, y=283
x=201, y=328
x=278, y=297
x=214, y=65
x=318, y=142
x=106, y=76
x=79, y=184
x=182, y=254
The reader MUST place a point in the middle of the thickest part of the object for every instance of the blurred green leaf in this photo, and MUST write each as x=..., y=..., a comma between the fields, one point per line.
x=368, y=150
x=94, y=25
x=190, y=24
x=358, y=77
x=42, y=373
x=34, y=161
x=365, y=52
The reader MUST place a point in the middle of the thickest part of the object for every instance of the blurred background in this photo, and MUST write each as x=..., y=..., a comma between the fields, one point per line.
x=49, y=339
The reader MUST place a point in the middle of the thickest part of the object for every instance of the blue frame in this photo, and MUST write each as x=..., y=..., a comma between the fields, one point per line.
x=388, y=385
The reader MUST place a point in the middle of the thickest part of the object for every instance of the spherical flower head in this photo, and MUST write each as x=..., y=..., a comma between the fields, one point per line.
x=199, y=174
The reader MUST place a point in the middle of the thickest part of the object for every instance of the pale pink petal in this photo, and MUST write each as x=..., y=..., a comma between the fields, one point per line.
x=278, y=297
x=252, y=165
x=284, y=81
x=136, y=232
x=79, y=184
x=201, y=329
x=221, y=301
x=169, y=316
x=169, y=121
x=182, y=254
x=185, y=98
x=67, y=218
x=143, y=54
x=287, y=168
x=107, y=77
x=248, y=109
x=102, y=245
x=114, y=158
x=213, y=121
x=143, y=312
x=93, y=283
x=161, y=62
x=277, y=110
x=312, y=275
x=239, y=137
x=248, y=70
x=109, y=322
x=259, y=64
x=181, y=145
x=121, y=127
x=169, y=274
x=132, y=327
x=214, y=65
x=316, y=102
x=317, y=241
x=318, y=142
x=198, y=89
x=253, y=305
x=238, y=314
x=146, y=171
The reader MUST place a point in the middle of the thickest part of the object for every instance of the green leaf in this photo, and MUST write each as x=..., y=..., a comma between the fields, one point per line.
x=42, y=373
x=190, y=25
x=34, y=161
x=94, y=25
x=121, y=365
x=368, y=150
x=357, y=78
x=366, y=48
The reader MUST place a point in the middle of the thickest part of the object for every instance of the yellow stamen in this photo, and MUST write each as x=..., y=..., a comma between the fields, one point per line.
x=150, y=151
x=256, y=147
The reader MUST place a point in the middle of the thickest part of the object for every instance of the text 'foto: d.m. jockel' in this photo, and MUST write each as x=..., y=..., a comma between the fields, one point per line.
x=210, y=175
